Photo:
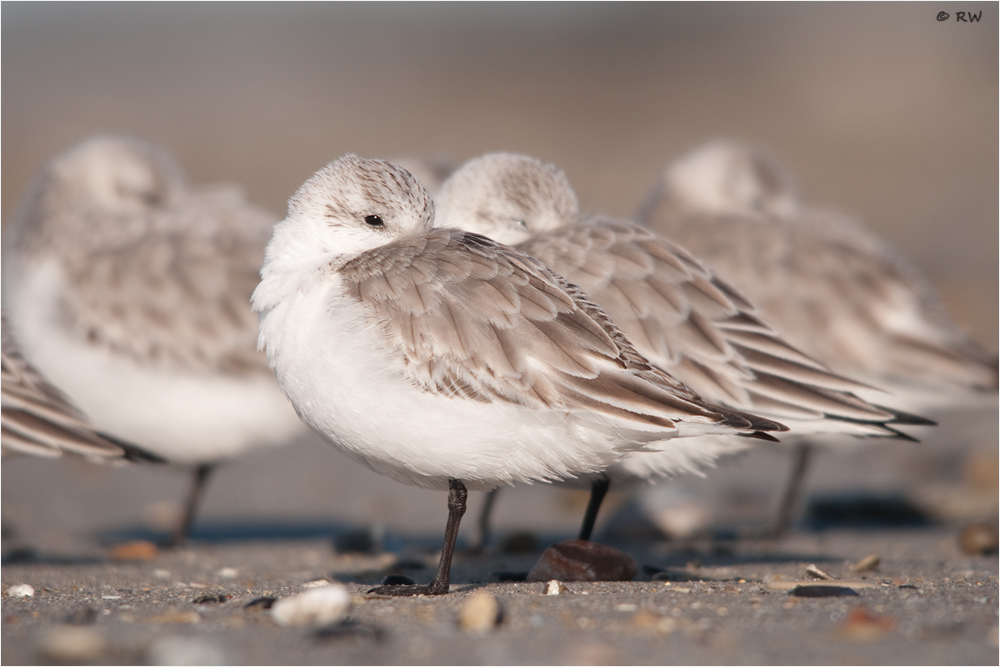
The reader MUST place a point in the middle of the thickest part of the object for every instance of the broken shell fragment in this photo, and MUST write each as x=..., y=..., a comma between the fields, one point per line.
x=816, y=573
x=867, y=564
x=555, y=587
x=319, y=607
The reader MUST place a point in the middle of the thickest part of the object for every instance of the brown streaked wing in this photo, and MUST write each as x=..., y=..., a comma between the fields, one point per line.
x=837, y=292
x=37, y=418
x=685, y=319
x=178, y=294
x=557, y=349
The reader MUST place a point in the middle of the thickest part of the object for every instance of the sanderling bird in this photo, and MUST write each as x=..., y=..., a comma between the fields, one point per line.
x=430, y=170
x=38, y=419
x=130, y=291
x=674, y=309
x=443, y=359
x=826, y=284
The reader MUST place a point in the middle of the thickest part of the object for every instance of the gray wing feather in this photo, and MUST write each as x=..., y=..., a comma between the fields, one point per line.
x=477, y=319
x=179, y=293
x=38, y=419
x=685, y=319
x=839, y=294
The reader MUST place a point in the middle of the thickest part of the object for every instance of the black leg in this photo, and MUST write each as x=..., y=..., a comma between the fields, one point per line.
x=598, y=489
x=457, y=495
x=800, y=463
x=181, y=533
x=485, y=519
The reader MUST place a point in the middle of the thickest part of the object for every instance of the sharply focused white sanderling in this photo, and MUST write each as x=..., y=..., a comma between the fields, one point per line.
x=673, y=308
x=130, y=291
x=824, y=282
x=38, y=419
x=446, y=360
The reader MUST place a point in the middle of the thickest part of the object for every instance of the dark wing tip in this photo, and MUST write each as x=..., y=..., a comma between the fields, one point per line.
x=759, y=435
x=745, y=420
x=900, y=417
x=898, y=435
x=132, y=452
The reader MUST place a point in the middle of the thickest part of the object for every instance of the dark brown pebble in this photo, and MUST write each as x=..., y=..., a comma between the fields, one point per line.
x=580, y=560
x=822, y=591
x=978, y=539
x=206, y=599
x=260, y=603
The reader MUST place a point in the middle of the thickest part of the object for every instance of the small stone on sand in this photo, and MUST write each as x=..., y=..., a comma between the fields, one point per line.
x=479, y=613
x=555, y=587
x=135, y=550
x=318, y=607
x=21, y=591
x=580, y=560
x=822, y=591
x=978, y=539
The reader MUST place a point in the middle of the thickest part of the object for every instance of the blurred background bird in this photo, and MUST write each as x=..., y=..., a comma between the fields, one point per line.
x=130, y=289
x=828, y=285
x=679, y=314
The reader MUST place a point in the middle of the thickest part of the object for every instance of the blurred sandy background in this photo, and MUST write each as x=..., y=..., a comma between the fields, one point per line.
x=879, y=109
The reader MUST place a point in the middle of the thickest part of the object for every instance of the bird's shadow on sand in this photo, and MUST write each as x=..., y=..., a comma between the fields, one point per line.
x=724, y=547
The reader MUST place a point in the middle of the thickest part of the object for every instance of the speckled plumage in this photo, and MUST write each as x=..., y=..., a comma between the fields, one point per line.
x=130, y=291
x=826, y=284
x=486, y=366
x=38, y=419
x=677, y=311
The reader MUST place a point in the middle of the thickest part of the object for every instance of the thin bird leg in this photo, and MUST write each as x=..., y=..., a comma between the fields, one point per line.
x=457, y=495
x=800, y=463
x=598, y=489
x=183, y=531
x=485, y=519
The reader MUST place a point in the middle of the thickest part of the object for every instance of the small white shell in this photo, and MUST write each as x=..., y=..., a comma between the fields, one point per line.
x=555, y=587
x=21, y=591
x=322, y=606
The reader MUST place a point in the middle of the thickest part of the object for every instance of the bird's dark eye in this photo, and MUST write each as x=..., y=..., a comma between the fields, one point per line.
x=374, y=221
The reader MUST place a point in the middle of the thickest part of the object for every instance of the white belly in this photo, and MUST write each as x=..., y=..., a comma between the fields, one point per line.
x=184, y=417
x=348, y=384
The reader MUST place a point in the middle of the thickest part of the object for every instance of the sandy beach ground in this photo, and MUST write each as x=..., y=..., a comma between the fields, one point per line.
x=882, y=111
